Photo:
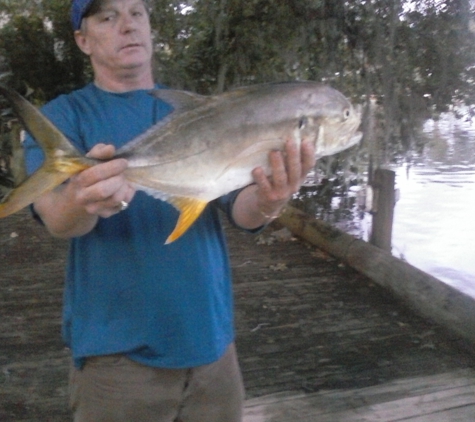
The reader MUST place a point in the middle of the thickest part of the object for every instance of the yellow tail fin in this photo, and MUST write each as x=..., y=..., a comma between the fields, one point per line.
x=30, y=190
x=62, y=159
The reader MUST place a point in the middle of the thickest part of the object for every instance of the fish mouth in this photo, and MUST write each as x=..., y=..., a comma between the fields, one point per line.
x=340, y=143
x=356, y=138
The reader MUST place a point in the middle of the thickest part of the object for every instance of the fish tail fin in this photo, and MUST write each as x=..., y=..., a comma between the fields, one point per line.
x=190, y=209
x=62, y=159
x=29, y=190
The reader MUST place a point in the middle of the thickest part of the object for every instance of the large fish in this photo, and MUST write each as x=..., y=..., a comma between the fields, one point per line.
x=205, y=148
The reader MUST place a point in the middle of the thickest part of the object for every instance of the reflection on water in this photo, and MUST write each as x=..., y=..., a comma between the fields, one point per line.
x=434, y=218
x=434, y=221
x=338, y=200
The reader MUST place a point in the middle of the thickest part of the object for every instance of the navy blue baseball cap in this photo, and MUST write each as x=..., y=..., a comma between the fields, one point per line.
x=78, y=9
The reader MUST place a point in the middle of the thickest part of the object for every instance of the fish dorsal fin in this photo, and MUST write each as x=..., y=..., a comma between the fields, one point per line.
x=190, y=209
x=180, y=100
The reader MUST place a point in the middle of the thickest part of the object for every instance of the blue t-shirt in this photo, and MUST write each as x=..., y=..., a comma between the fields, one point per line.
x=126, y=292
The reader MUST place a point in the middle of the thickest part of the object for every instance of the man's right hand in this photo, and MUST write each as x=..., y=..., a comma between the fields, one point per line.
x=74, y=208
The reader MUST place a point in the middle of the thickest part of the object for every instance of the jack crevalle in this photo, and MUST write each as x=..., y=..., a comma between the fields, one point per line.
x=205, y=148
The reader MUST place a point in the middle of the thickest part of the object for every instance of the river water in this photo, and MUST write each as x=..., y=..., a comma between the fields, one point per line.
x=434, y=222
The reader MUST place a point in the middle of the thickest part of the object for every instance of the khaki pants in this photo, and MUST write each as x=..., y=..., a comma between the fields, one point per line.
x=116, y=389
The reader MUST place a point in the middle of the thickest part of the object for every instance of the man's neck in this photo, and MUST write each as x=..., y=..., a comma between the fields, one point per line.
x=124, y=83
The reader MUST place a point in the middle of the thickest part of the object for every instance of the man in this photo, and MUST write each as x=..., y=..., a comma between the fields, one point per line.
x=150, y=326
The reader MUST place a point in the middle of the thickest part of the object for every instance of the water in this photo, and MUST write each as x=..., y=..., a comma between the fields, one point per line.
x=434, y=221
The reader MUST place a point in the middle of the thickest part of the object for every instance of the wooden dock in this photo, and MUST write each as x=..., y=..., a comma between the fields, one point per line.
x=317, y=341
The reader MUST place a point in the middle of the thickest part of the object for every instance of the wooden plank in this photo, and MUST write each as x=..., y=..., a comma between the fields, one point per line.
x=318, y=324
x=425, y=294
x=394, y=401
x=459, y=414
x=407, y=408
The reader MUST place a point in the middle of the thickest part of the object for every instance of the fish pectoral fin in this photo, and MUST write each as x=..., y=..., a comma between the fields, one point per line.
x=254, y=155
x=27, y=192
x=190, y=209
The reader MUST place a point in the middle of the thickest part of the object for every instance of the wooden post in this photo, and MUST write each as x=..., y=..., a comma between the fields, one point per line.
x=383, y=209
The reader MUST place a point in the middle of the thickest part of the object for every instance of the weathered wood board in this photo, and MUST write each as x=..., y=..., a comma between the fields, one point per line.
x=425, y=294
x=438, y=398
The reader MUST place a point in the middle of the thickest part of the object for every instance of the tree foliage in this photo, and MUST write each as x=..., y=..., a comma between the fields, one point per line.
x=37, y=45
x=414, y=57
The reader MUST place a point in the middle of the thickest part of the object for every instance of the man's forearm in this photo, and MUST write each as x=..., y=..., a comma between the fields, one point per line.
x=61, y=216
x=249, y=212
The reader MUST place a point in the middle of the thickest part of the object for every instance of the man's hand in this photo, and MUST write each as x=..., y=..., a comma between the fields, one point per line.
x=102, y=188
x=74, y=208
x=263, y=201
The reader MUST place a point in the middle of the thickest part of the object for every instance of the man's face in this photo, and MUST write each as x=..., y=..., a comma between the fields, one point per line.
x=118, y=37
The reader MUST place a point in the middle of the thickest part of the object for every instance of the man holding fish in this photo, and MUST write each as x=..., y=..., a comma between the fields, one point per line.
x=150, y=325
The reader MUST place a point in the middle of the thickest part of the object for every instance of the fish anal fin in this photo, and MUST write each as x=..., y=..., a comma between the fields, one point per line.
x=190, y=209
x=27, y=192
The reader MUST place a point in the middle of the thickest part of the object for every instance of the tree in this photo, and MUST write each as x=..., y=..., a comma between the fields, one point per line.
x=415, y=57
x=37, y=42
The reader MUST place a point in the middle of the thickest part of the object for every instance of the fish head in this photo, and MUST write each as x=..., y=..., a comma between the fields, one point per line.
x=327, y=118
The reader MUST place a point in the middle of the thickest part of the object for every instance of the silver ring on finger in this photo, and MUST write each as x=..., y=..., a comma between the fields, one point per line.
x=123, y=205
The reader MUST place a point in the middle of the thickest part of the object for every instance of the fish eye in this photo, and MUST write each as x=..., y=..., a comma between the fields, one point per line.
x=302, y=122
